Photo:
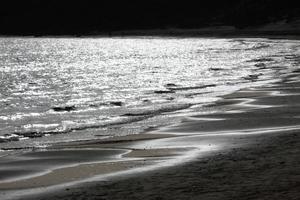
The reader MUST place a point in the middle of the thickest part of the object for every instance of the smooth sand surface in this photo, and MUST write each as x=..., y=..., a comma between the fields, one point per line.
x=249, y=149
x=266, y=168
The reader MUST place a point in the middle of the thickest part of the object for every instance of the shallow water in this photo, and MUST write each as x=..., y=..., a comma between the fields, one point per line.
x=66, y=89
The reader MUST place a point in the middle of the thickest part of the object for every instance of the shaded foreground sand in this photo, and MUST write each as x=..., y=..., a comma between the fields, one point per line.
x=246, y=146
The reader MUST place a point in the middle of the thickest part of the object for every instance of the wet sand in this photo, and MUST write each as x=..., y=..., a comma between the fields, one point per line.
x=245, y=146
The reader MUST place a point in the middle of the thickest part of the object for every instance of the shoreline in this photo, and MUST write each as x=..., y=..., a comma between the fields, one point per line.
x=257, y=164
x=242, y=128
x=289, y=33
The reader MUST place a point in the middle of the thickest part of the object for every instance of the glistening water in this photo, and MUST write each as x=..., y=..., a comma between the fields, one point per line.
x=66, y=89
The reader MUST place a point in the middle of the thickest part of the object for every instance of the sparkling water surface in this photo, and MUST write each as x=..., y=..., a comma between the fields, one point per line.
x=64, y=89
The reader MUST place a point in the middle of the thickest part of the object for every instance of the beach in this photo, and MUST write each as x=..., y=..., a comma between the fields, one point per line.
x=160, y=100
x=243, y=146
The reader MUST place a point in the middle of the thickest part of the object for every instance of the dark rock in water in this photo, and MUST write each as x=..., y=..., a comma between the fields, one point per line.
x=252, y=77
x=133, y=114
x=261, y=60
x=296, y=71
x=291, y=57
x=170, y=85
x=116, y=103
x=260, y=65
x=193, y=87
x=164, y=91
x=112, y=103
x=215, y=69
x=62, y=109
x=32, y=134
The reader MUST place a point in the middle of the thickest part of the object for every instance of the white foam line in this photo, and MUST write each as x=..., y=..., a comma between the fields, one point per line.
x=240, y=132
x=248, y=102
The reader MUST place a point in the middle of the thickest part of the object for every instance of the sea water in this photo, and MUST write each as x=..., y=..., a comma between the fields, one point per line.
x=67, y=89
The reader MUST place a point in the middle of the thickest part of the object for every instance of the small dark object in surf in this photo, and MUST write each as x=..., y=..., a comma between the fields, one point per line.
x=260, y=65
x=215, y=69
x=296, y=71
x=32, y=134
x=290, y=57
x=62, y=109
x=170, y=85
x=116, y=103
x=252, y=77
x=163, y=92
x=193, y=87
x=261, y=60
x=133, y=114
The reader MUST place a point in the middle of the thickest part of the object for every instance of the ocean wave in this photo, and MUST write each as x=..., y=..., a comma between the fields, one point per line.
x=163, y=109
x=69, y=126
x=9, y=138
x=79, y=125
x=83, y=107
x=258, y=46
x=19, y=116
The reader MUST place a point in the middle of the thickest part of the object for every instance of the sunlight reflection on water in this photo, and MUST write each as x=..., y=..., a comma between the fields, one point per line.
x=50, y=83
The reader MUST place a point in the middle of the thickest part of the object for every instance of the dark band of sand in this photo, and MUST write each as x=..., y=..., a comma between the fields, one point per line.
x=246, y=146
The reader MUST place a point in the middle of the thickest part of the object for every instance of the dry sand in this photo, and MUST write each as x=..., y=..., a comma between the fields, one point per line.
x=248, y=149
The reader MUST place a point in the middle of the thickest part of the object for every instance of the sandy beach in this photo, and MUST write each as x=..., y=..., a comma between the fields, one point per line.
x=160, y=100
x=244, y=146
